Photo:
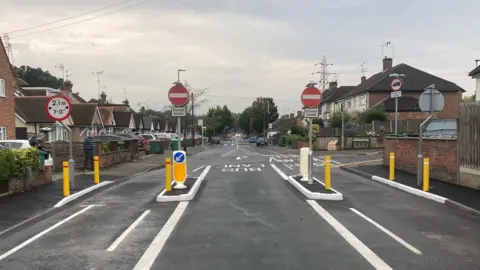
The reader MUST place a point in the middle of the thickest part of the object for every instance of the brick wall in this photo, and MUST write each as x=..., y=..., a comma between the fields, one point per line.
x=40, y=177
x=450, y=110
x=442, y=154
x=7, y=103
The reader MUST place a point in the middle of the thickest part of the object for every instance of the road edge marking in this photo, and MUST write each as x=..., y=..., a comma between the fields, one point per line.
x=130, y=228
x=156, y=246
x=42, y=233
x=79, y=194
x=198, y=168
x=388, y=232
x=282, y=174
x=360, y=247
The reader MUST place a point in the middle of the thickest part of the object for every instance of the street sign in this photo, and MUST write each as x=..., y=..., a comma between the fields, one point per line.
x=200, y=122
x=431, y=96
x=178, y=111
x=270, y=125
x=396, y=94
x=58, y=108
x=311, y=97
x=396, y=84
x=178, y=95
x=179, y=169
x=311, y=113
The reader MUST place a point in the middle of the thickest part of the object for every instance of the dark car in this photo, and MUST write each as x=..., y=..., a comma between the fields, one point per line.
x=261, y=141
x=215, y=140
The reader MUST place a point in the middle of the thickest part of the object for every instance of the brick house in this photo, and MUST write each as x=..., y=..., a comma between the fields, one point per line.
x=7, y=102
x=375, y=91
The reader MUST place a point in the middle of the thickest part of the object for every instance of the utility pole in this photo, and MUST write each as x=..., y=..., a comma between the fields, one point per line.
x=62, y=69
x=363, y=69
x=98, y=73
x=324, y=74
x=192, y=98
x=8, y=47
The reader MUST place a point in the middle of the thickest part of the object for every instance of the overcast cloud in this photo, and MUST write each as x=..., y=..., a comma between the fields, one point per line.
x=240, y=49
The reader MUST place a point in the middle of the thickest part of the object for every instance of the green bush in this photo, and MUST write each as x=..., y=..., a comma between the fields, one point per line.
x=14, y=163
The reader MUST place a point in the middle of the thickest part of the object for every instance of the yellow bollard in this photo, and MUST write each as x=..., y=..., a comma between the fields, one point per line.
x=327, y=172
x=96, y=170
x=66, y=179
x=426, y=174
x=392, y=167
x=168, y=174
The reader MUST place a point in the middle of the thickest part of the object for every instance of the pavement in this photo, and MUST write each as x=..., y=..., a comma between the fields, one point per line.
x=246, y=216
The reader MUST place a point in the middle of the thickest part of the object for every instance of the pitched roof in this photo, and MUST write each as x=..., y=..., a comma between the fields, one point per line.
x=83, y=114
x=32, y=109
x=147, y=122
x=137, y=117
x=33, y=93
x=21, y=82
x=415, y=80
x=107, y=115
x=331, y=95
x=156, y=122
x=405, y=104
x=122, y=119
x=474, y=72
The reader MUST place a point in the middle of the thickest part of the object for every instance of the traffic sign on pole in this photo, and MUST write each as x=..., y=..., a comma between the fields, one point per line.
x=178, y=95
x=58, y=108
x=311, y=97
x=179, y=169
x=396, y=84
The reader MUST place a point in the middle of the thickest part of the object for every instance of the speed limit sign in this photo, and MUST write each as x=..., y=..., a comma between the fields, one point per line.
x=58, y=108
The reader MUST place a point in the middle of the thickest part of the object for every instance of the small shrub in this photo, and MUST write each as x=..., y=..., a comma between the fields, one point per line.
x=14, y=163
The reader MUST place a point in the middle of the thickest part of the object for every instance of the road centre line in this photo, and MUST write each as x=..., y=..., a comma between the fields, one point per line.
x=228, y=152
x=367, y=253
x=127, y=231
x=150, y=255
x=389, y=233
x=42, y=233
x=198, y=168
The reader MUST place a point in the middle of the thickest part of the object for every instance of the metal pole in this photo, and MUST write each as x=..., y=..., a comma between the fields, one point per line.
x=420, y=140
x=202, y=136
x=179, y=131
x=342, y=131
x=310, y=153
x=71, y=161
x=396, y=115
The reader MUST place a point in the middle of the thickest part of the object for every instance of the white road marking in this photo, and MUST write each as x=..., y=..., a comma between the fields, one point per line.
x=238, y=158
x=228, y=152
x=283, y=175
x=398, y=239
x=288, y=166
x=368, y=254
x=147, y=259
x=198, y=168
x=42, y=233
x=127, y=231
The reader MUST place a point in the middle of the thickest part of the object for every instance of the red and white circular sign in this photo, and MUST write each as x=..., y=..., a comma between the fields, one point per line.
x=178, y=95
x=58, y=108
x=396, y=84
x=311, y=97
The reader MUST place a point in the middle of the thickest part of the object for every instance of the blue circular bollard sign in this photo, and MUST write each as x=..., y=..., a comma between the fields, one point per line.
x=179, y=157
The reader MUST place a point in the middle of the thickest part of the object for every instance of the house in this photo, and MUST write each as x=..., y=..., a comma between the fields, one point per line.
x=86, y=118
x=108, y=119
x=475, y=74
x=328, y=104
x=138, y=122
x=66, y=91
x=7, y=94
x=375, y=91
x=124, y=121
x=148, y=127
x=30, y=116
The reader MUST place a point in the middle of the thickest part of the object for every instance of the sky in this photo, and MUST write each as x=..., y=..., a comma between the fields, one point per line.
x=238, y=49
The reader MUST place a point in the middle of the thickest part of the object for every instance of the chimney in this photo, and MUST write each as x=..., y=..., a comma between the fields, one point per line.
x=292, y=115
x=332, y=85
x=103, y=98
x=67, y=87
x=363, y=78
x=387, y=63
x=299, y=114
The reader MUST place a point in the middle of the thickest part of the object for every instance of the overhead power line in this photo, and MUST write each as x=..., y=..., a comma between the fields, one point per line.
x=85, y=20
x=69, y=18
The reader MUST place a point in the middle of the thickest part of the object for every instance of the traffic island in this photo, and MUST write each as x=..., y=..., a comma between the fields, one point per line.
x=316, y=190
x=186, y=194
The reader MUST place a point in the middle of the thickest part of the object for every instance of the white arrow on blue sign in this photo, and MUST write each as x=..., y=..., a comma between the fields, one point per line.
x=179, y=157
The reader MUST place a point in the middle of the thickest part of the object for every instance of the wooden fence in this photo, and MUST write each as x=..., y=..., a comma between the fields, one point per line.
x=388, y=126
x=468, y=135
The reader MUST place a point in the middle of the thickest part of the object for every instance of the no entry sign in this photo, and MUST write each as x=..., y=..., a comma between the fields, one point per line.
x=311, y=97
x=58, y=108
x=178, y=95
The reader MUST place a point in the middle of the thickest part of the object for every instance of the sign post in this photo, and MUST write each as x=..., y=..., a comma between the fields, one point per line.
x=179, y=97
x=200, y=123
x=311, y=98
x=396, y=85
x=342, y=106
x=431, y=101
x=58, y=109
x=180, y=169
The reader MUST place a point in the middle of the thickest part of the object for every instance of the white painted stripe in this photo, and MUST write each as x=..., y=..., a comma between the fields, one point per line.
x=311, y=96
x=288, y=166
x=318, y=181
x=368, y=254
x=198, y=168
x=383, y=229
x=283, y=175
x=127, y=231
x=147, y=259
x=42, y=233
x=79, y=194
x=178, y=95
x=411, y=190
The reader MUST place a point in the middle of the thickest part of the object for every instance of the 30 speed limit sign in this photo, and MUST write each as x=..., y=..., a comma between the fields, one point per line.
x=58, y=108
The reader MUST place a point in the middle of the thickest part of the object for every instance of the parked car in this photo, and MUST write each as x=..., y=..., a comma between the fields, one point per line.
x=215, y=140
x=441, y=128
x=252, y=140
x=147, y=138
x=261, y=141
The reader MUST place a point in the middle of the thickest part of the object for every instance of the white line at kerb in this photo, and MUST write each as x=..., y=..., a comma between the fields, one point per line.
x=389, y=233
x=178, y=95
x=147, y=259
x=127, y=231
x=368, y=254
x=311, y=96
x=22, y=245
x=198, y=168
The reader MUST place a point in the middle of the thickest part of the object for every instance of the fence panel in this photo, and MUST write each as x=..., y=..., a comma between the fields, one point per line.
x=468, y=135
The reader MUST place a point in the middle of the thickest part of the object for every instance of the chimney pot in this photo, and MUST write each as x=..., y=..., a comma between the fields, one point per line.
x=332, y=85
x=363, y=78
x=387, y=63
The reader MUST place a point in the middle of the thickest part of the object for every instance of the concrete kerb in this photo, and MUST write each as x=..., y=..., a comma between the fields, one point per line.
x=439, y=199
x=51, y=211
x=80, y=193
x=185, y=197
x=336, y=196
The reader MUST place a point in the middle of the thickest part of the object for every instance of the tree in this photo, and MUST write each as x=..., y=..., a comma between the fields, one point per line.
x=374, y=114
x=37, y=77
x=256, y=117
x=336, y=119
x=468, y=98
x=219, y=120
x=318, y=121
x=196, y=100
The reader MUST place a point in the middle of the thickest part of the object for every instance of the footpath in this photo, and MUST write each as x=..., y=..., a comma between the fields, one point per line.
x=21, y=207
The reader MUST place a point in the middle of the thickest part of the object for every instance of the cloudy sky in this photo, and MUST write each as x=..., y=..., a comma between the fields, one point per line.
x=239, y=49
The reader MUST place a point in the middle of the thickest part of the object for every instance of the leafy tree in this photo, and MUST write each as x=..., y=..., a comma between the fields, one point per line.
x=256, y=117
x=336, y=119
x=468, y=98
x=37, y=77
x=375, y=114
x=219, y=120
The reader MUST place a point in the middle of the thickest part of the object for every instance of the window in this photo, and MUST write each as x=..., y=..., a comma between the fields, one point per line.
x=347, y=104
x=362, y=100
x=3, y=133
x=354, y=101
x=2, y=88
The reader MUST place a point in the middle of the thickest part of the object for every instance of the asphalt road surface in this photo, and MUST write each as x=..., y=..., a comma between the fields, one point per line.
x=246, y=216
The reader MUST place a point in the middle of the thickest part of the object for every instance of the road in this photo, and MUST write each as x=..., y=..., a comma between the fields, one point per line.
x=245, y=216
